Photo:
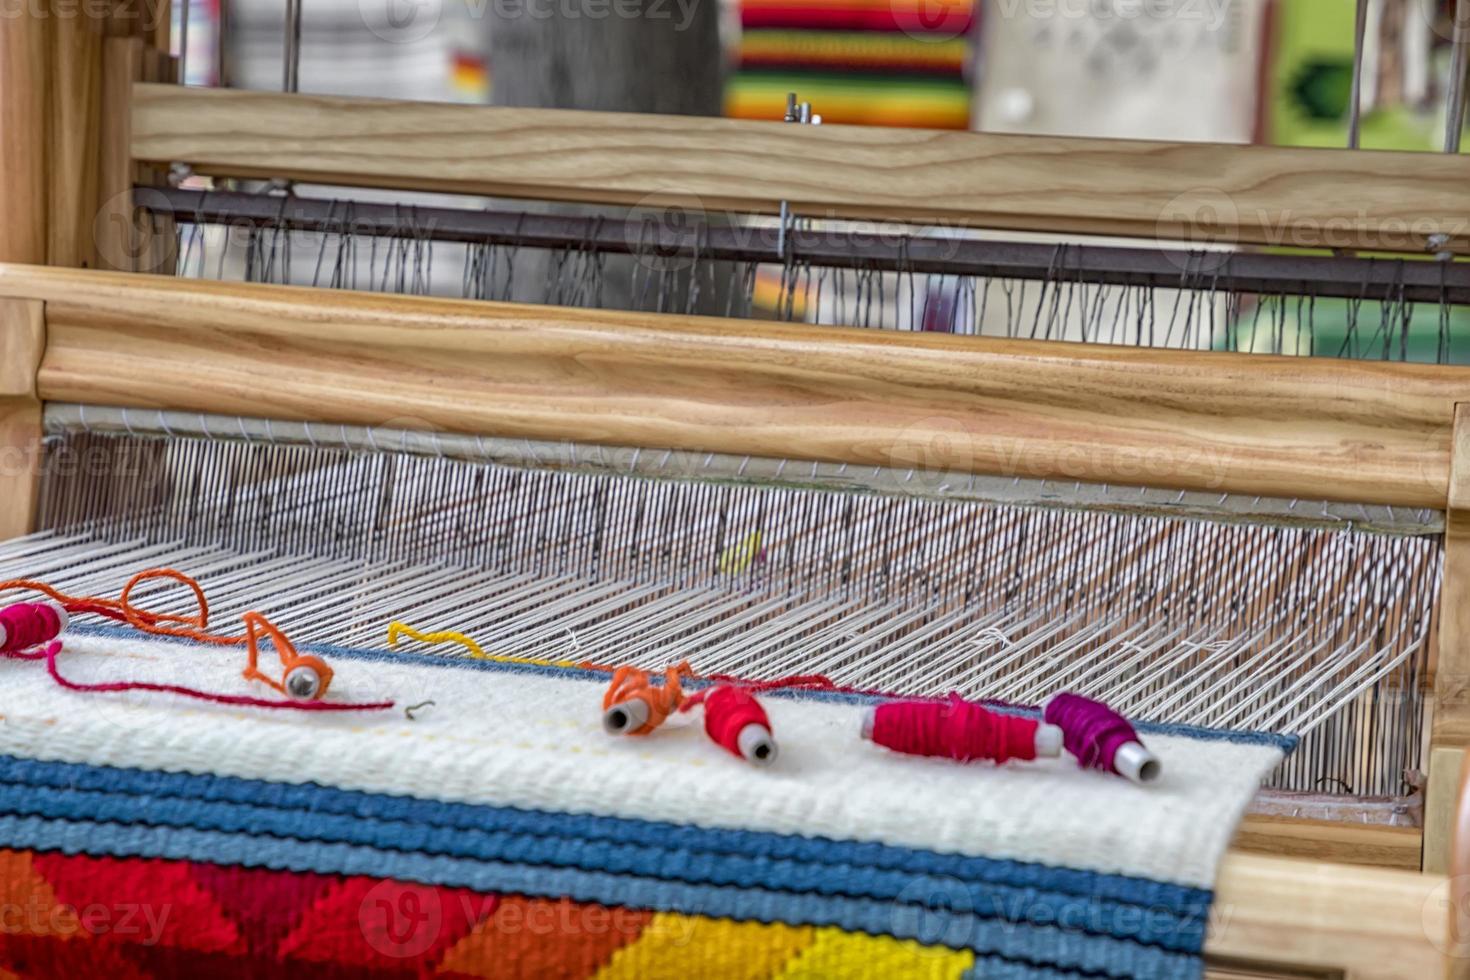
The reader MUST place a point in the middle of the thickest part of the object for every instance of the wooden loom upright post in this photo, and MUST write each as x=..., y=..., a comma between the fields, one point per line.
x=1450, y=734
x=58, y=103
x=25, y=56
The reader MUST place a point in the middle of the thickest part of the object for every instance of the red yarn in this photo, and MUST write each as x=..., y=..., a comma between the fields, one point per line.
x=792, y=682
x=727, y=710
x=956, y=729
x=54, y=648
x=193, y=627
x=29, y=624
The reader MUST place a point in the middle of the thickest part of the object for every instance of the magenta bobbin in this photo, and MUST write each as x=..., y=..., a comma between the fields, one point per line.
x=1101, y=738
x=26, y=625
x=960, y=730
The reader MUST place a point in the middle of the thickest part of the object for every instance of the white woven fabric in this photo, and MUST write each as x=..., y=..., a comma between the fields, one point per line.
x=507, y=738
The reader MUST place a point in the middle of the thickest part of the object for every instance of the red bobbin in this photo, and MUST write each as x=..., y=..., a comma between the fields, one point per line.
x=735, y=720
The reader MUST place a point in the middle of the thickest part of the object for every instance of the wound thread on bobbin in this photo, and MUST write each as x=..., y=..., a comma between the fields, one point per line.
x=735, y=720
x=26, y=625
x=960, y=730
x=1100, y=738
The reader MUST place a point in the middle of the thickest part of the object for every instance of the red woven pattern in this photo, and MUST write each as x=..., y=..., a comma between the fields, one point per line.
x=137, y=919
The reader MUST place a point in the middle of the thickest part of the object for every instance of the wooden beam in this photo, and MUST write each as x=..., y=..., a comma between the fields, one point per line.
x=1372, y=200
x=1362, y=923
x=1450, y=731
x=24, y=59
x=72, y=164
x=22, y=343
x=1457, y=908
x=1295, y=427
x=1372, y=845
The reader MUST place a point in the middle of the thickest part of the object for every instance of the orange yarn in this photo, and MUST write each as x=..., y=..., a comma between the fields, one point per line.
x=634, y=684
x=189, y=627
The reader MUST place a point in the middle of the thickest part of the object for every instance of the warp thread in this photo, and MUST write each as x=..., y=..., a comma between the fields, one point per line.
x=954, y=729
x=1100, y=738
x=743, y=554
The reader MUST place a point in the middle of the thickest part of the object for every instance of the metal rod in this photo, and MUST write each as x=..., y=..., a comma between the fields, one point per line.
x=1355, y=108
x=291, y=81
x=1455, y=103
x=876, y=247
x=222, y=37
x=184, y=42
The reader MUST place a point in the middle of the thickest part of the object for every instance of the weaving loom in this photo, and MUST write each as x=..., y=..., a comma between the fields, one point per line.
x=1031, y=467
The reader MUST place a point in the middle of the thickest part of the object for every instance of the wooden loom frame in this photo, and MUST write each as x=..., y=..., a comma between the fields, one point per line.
x=1388, y=433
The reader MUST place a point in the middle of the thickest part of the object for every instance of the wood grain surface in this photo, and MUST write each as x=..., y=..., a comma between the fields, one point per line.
x=1295, y=427
x=22, y=341
x=1372, y=845
x=1332, y=919
x=1384, y=201
x=24, y=62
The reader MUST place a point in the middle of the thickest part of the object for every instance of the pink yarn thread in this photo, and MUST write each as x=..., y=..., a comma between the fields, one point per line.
x=28, y=625
x=956, y=729
x=1091, y=730
x=49, y=652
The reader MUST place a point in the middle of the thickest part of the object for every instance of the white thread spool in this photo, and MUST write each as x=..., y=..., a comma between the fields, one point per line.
x=625, y=717
x=757, y=745
x=1137, y=764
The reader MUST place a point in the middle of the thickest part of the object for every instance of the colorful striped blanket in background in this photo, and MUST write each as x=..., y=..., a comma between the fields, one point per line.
x=874, y=62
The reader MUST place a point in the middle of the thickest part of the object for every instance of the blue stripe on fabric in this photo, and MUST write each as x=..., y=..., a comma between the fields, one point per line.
x=317, y=799
x=996, y=968
x=1286, y=743
x=1183, y=932
x=1037, y=944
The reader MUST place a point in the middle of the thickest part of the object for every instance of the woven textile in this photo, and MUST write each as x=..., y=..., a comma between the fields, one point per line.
x=872, y=62
x=73, y=916
x=842, y=859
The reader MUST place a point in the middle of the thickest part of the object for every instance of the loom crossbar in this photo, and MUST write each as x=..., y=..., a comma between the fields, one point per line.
x=1312, y=198
x=1249, y=424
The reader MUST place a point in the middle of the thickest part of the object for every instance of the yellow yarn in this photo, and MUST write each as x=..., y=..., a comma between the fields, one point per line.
x=738, y=557
x=396, y=631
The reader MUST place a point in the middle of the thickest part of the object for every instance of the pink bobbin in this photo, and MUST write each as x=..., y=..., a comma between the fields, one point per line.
x=26, y=625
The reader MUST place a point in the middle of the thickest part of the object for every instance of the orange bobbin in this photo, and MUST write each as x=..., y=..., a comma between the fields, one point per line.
x=634, y=705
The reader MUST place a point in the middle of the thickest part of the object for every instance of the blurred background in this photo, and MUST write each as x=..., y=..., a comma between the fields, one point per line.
x=1269, y=71
x=1240, y=71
